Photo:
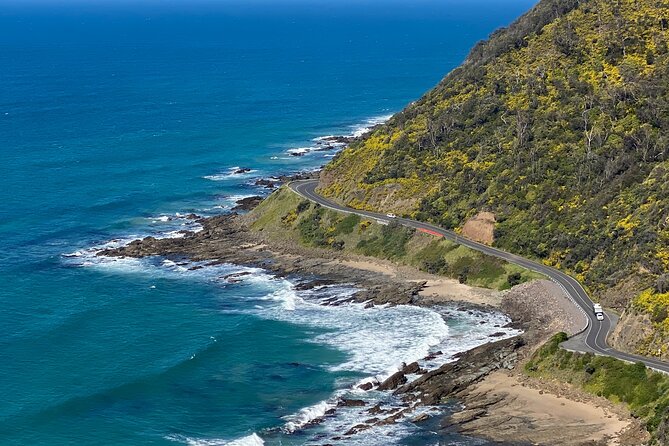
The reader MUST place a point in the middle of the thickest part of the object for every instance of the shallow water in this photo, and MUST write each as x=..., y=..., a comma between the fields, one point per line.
x=114, y=123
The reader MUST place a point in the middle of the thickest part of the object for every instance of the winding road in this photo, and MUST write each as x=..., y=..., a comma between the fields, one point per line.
x=592, y=337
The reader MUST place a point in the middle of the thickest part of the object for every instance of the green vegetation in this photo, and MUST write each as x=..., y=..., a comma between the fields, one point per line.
x=389, y=244
x=286, y=216
x=655, y=304
x=645, y=392
x=559, y=125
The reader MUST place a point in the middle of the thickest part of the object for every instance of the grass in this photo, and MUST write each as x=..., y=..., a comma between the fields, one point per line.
x=268, y=214
x=285, y=215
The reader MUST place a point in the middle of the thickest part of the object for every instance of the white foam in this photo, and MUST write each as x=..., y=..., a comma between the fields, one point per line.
x=299, y=151
x=324, y=138
x=230, y=201
x=306, y=416
x=361, y=129
x=250, y=440
x=376, y=341
x=231, y=173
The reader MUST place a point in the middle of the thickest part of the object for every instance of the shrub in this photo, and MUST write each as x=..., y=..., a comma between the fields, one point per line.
x=514, y=279
x=662, y=283
x=347, y=224
x=303, y=206
x=311, y=230
x=391, y=244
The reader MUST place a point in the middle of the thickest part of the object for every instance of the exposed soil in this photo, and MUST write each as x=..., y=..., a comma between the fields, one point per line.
x=480, y=227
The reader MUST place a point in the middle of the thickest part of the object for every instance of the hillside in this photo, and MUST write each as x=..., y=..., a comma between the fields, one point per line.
x=557, y=125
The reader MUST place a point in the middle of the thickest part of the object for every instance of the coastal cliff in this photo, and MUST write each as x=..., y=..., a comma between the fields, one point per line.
x=557, y=126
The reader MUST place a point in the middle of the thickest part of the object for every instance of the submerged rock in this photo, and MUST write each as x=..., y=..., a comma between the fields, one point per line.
x=345, y=402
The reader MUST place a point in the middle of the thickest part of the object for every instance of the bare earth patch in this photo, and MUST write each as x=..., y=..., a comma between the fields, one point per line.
x=436, y=289
x=481, y=227
x=506, y=406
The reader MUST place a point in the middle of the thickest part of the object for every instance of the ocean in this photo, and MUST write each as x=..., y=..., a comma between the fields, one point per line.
x=117, y=119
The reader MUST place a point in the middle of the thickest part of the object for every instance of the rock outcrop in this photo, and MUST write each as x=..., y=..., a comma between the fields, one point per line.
x=437, y=386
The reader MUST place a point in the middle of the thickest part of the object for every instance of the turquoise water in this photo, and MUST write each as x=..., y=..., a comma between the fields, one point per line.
x=116, y=120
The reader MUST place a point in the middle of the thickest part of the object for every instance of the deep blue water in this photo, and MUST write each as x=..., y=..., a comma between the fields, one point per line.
x=116, y=118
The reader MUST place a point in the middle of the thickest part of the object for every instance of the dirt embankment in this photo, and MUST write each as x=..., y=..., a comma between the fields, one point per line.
x=481, y=228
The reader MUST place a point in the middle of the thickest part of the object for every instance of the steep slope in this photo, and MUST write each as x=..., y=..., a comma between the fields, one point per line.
x=558, y=126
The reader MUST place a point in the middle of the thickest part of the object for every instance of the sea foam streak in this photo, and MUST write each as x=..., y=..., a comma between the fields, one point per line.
x=330, y=144
x=232, y=173
x=369, y=124
x=251, y=440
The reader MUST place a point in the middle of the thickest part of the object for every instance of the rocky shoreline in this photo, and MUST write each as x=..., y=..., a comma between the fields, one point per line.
x=228, y=239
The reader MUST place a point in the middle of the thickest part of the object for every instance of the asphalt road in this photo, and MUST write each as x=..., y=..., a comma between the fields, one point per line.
x=593, y=336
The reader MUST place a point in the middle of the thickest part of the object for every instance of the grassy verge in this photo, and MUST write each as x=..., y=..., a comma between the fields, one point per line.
x=285, y=215
x=645, y=392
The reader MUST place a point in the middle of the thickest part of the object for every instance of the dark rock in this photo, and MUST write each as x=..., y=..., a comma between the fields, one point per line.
x=366, y=386
x=432, y=355
x=345, y=402
x=411, y=368
x=497, y=334
x=236, y=275
x=242, y=170
x=442, y=383
x=421, y=417
x=313, y=284
x=315, y=421
x=394, y=381
x=375, y=410
x=247, y=203
x=466, y=416
x=357, y=428
x=338, y=139
x=330, y=412
x=269, y=184
x=393, y=418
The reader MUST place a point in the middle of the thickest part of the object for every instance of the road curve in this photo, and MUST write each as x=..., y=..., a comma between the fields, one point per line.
x=593, y=336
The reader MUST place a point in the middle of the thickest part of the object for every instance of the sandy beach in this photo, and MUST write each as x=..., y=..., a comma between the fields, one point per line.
x=518, y=408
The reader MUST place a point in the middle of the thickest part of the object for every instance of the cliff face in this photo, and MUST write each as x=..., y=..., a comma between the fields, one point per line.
x=559, y=125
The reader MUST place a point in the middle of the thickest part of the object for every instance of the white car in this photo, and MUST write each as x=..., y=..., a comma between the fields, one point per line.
x=600, y=316
x=391, y=215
